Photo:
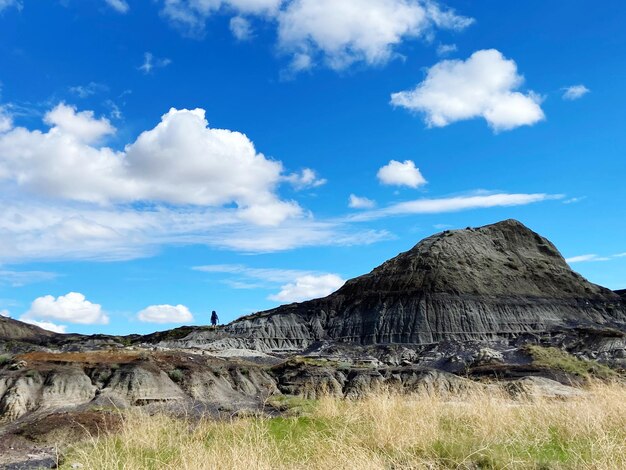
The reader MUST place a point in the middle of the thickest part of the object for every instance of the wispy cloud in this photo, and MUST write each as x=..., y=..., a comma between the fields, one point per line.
x=356, y=202
x=453, y=204
x=10, y=3
x=306, y=179
x=22, y=278
x=575, y=92
x=48, y=231
x=593, y=258
x=85, y=91
x=586, y=258
x=445, y=49
x=272, y=275
x=574, y=200
x=241, y=28
x=150, y=62
x=121, y=6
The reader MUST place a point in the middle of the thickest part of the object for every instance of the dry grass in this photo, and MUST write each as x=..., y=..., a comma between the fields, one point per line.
x=387, y=431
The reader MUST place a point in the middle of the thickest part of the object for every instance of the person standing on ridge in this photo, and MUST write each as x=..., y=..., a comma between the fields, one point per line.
x=214, y=318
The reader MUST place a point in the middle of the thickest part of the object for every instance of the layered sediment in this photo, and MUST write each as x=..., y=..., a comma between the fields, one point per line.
x=493, y=282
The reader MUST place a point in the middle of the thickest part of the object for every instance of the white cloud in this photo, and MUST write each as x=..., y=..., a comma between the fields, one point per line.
x=445, y=49
x=115, y=111
x=241, y=28
x=453, y=204
x=300, y=235
x=586, y=259
x=10, y=3
x=308, y=287
x=82, y=126
x=5, y=313
x=482, y=86
x=593, y=258
x=150, y=63
x=575, y=92
x=574, y=200
x=300, y=61
x=180, y=161
x=306, y=179
x=46, y=325
x=356, y=202
x=337, y=33
x=165, y=314
x=48, y=231
x=446, y=18
x=401, y=174
x=6, y=123
x=73, y=308
x=190, y=15
x=118, y=5
x=272, y=275
x=348, y=31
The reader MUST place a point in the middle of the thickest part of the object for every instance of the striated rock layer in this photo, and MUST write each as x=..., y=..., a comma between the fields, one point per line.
x=493, y=282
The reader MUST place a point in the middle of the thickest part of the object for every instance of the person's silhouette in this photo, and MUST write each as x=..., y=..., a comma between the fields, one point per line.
x=214, y=318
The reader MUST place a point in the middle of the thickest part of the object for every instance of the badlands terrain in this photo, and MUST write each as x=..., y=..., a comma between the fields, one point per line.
x=482, y=312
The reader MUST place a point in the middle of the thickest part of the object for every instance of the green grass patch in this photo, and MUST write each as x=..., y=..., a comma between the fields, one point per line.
x=292, y=404
x=297, y=428
x=5, y=359
x=176, y=375
x=554, y=358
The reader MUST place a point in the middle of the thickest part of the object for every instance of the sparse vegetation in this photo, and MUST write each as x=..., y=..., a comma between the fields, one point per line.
x=292, y=405
x=554, y=358
x=4, y=359
x=125, y=341
x=31, y=374
x=176, y=375
x=476, y=430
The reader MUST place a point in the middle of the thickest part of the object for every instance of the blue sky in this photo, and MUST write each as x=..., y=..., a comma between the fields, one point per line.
x=162, y=159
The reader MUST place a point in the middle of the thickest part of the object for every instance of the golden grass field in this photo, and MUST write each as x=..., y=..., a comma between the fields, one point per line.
x=480, y=429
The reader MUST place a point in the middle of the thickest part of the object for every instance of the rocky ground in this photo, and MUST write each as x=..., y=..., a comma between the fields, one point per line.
x=51, y=397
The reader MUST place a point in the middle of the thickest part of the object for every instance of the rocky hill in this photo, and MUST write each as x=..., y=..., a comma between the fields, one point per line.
x=18, y=331
x=494, y=282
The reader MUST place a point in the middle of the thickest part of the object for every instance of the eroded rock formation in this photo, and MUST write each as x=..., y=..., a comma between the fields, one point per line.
x=489, y=283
